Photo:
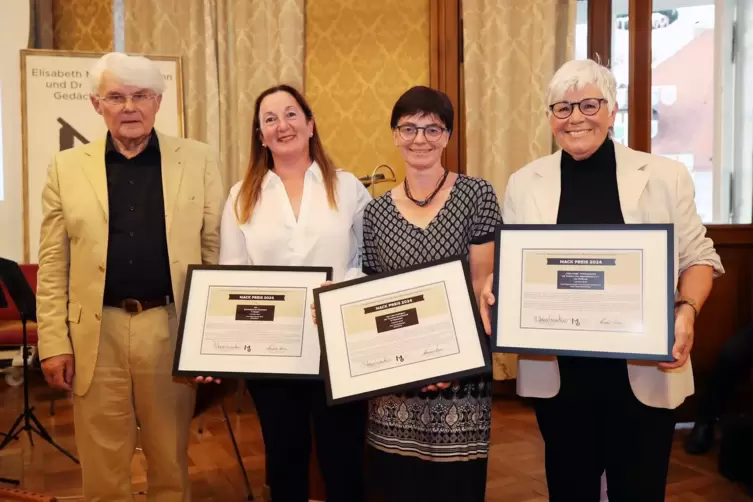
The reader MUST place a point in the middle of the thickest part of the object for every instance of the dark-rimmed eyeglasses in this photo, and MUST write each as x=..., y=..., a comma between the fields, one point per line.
x=431, y=132
x=589, y=106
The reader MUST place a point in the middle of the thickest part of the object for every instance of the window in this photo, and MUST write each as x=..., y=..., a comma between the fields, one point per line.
x=701, y=75
x=683, y=93
x=581, y=30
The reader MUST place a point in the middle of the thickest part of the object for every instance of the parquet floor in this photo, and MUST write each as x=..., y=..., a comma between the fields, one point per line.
x=516, y=471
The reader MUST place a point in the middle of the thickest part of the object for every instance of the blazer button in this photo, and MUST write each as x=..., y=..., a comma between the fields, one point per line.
x=101, y=268
x=97, y=316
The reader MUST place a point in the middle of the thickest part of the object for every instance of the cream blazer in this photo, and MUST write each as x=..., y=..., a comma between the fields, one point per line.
x=75, y=232
x=652, y=189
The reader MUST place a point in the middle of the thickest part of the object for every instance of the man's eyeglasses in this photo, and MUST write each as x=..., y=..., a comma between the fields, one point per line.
x=564, y=109
x=409, y=132
x=121, y=99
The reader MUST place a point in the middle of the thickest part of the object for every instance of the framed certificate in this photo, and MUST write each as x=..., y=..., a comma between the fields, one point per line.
x=400, y=330
x=249, y=322
x=592, y=290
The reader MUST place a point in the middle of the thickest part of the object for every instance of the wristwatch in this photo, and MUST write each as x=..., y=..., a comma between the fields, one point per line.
x=687, y=301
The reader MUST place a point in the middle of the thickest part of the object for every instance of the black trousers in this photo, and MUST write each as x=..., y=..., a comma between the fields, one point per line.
x=596, y=423
x=733, y=365
x=287, y=410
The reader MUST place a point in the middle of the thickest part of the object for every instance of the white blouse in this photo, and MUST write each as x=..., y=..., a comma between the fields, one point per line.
x=322, y=236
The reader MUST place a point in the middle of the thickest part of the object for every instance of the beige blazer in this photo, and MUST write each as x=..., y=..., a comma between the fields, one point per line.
x=652, y=189
x=74, y=237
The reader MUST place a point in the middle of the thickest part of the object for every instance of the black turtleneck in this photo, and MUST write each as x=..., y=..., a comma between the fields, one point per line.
x=589, y=192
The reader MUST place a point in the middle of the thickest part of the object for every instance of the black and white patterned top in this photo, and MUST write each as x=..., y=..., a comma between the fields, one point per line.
x=453, y=424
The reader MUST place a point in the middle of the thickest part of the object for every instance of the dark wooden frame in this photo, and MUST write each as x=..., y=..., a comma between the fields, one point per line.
x=446, y=72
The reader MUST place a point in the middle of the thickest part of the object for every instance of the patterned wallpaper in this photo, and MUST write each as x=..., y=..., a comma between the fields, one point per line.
x=83, y=26
x=360, y=56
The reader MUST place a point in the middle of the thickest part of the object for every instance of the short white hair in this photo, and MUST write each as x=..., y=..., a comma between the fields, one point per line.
x=137, y=71
x=577, y=74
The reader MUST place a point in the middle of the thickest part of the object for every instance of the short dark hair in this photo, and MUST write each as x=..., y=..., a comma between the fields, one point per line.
x=422, y=100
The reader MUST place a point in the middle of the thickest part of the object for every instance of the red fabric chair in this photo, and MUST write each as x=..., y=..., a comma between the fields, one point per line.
x=11, y=331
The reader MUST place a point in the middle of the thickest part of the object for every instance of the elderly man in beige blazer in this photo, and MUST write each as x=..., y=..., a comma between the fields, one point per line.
x=598, y=415
x=123, y=218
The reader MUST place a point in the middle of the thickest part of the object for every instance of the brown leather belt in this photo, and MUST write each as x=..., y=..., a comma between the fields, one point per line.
x=134, y=306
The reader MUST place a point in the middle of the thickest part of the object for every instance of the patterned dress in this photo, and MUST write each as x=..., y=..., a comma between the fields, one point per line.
x=420, y=440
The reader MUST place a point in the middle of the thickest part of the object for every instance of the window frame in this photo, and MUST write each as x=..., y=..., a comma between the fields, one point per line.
x=639, y=90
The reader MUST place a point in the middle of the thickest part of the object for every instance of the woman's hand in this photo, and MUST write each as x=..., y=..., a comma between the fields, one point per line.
x=486, y=300
x=313, y=307
x=436, y=387
x=684, y=321
x=207, y=380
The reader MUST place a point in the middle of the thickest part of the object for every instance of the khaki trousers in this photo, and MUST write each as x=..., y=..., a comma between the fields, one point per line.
x=133, y=384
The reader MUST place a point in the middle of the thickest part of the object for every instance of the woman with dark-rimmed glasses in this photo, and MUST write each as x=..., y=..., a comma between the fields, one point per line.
x=608, y=415
x=430, y=444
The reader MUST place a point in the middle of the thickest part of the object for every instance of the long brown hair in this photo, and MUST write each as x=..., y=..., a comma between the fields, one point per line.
x=261, y=159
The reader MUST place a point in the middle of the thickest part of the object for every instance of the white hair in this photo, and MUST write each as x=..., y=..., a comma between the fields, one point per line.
x=137, y=71
x=577, y=74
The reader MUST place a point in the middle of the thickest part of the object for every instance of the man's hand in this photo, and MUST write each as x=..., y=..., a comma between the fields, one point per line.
x=684, y=321
x=486, y=300
x=59, y=371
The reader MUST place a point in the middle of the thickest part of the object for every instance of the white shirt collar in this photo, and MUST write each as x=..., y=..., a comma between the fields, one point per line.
x=313, y=170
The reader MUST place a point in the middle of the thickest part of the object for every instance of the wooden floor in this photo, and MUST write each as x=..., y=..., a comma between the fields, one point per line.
x=516, y=472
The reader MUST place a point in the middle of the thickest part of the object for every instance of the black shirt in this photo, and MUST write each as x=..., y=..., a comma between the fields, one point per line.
x=137, y=259
x=589, y=192
x=589, y=196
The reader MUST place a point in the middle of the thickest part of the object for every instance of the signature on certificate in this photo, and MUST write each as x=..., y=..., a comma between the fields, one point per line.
x=608, y=321
x=551, y=320
x=375, y=363
x=432, y=350
x=225, y=346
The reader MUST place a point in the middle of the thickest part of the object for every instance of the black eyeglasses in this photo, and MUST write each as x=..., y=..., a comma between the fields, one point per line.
x=564, y=109
x=431, y=132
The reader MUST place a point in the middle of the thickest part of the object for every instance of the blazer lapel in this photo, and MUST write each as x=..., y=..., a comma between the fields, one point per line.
x=96, y=172
x=631, y=181
x=547, y=188
x=172, y=173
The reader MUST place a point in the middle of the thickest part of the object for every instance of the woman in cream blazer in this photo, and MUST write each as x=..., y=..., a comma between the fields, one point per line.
x=609, y=415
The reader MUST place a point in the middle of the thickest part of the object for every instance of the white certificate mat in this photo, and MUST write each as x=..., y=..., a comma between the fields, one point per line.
x=600, y=291
x=249, y=322
x=401, y=330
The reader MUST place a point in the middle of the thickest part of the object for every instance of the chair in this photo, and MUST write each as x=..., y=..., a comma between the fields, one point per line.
x=11, y=334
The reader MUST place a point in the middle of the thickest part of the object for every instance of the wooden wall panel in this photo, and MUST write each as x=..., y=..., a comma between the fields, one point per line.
x=446, y=52
x=639, y=89
x=727, y=311
x=600, y=31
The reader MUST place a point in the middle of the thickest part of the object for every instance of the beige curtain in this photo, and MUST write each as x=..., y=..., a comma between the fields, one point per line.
x=512, y=48
x=231, y=51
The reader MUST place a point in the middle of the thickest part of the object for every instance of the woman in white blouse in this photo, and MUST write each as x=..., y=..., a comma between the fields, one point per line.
x=293, y=208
